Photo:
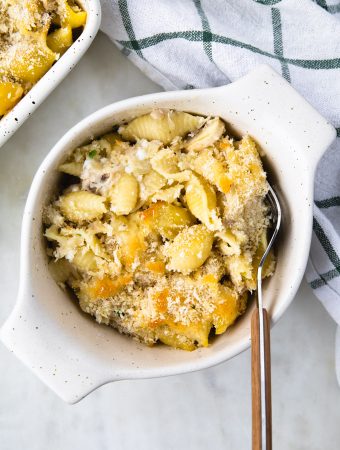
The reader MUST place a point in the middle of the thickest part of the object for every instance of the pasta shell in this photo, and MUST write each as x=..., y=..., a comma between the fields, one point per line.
x=212, y=170
x=201, y=200
x=165, y=162
x=269, y=264
x=185, y=337
x=229, y=307
x=152, y=182
x=169, y=195
x=166, y=219
x=207, y=136
x=82, y=205
x=71, y=168
x=229, y=244
x=68, y=241
x=132, y=247
x=124, y=195
x=240, y=270
x=85, y=260
x=106, y=287
x=163, y=127
x=93, y=243
x=190, y=248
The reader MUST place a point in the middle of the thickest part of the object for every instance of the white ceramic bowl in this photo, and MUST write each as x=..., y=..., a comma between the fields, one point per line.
x=74, y=355
x=28, y=104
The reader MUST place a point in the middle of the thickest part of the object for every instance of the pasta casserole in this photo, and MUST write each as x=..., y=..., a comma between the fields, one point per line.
x=33, y=35
x=160, y=226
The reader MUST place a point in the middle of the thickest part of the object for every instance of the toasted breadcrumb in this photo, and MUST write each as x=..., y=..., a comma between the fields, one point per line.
x=158, y=273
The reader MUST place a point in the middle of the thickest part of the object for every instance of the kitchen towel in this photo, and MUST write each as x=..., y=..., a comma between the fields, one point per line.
x=186, y=44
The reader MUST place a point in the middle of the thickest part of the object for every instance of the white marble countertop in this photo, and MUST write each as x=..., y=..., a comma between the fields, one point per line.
x=208, y=409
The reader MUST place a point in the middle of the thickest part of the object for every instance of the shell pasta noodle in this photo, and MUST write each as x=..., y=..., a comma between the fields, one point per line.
x=33, y=35
x=161, y=227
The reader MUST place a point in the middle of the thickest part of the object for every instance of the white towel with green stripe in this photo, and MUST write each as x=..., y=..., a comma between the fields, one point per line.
x=185, y=44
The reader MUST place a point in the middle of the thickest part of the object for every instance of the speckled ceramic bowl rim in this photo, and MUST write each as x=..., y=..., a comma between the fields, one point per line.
x=10, y=123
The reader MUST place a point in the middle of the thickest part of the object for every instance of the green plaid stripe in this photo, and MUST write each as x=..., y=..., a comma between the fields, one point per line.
x=327, y=246
x=124, y=11
x=328, y=202
x=317, y=283
x=206, y=30
x=333, y=9
x=324, y=278
x=278, y=43
x=331, y=253
x=334, y=273
x=207, y=36
x=322, y=3
x=267, y=2
x=198, y=36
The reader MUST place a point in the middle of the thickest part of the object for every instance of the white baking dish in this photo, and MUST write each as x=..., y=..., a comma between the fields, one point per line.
x=28, y=104
x=74, y=355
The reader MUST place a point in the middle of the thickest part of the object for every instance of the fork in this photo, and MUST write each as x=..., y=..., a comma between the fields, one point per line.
x=260, y=349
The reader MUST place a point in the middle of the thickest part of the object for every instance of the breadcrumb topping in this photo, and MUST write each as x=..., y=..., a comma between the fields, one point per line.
x=162, y=241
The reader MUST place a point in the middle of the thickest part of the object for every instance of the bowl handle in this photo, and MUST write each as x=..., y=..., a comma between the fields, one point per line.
x=42, y=347
x=270, y=102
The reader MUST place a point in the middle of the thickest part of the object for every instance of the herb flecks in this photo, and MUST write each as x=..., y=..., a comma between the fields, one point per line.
x=92, y=154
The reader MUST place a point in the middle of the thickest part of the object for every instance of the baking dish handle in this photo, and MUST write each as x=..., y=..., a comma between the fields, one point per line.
x=264, y=98
x=40, y=345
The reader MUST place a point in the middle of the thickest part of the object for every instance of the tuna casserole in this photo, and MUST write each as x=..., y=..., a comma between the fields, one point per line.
x=161, y=227
x=33, y=35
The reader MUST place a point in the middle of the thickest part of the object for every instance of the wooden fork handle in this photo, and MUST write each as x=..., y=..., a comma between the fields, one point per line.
x=256, y=381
